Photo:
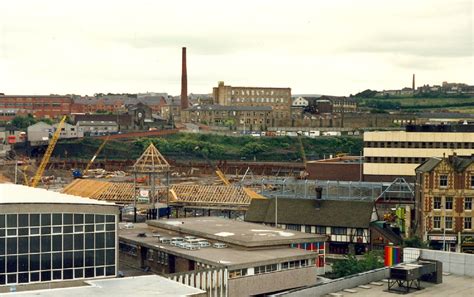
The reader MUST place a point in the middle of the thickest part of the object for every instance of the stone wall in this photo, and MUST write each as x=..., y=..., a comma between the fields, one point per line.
x=271, y=282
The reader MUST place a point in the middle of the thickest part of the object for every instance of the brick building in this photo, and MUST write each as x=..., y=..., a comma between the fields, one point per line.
x=278, y=98
x=116, y=103
x=337, y=104
x=249, y=118
x=444, y=201
x=51, y=106
x=347, y=168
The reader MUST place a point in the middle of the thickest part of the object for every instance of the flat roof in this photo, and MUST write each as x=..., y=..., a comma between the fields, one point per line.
x=240, y=233
x=18, y=194
x=232, y=256
x=453, y=285
x=146, y=285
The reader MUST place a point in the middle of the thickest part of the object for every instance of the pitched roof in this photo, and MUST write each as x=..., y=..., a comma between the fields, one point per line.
x=124, y=119
x=151, y=161
x=213, y=195
x=334, y=213
x=101, y=190
x=428, y=165
x=458, y=163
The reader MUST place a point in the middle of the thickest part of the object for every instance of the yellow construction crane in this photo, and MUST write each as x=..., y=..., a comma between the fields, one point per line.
x=25, y=176
x=96, y=154
x=303, y=153
x=304, y=173
x=222, y=176
x=47, y=154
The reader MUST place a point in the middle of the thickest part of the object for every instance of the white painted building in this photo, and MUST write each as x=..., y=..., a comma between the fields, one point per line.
x=300, y=102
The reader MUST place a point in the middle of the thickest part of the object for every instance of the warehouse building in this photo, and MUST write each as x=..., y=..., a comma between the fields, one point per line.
x=47, y=236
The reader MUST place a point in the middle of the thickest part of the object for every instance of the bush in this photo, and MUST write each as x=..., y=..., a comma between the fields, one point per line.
x=351, y=265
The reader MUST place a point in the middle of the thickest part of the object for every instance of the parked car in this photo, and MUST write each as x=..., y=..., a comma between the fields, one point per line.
x=165, y=240
x=219, y=245
x=204, y=244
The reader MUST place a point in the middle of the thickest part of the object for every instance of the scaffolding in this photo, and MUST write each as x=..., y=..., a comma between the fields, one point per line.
x=333, y=190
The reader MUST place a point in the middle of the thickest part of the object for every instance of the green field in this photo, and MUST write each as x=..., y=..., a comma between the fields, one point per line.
x=192, y=146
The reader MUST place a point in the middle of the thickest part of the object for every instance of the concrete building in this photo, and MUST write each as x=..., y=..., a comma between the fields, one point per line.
x=278, y=98
x=444, y=202
x=47, y=236
x=346, y=223
x=144, y=285
x=245, y=259
x=52, y=106
x=392, y=154
x=249, y=118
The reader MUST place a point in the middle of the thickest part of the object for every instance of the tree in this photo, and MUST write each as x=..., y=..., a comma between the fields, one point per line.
x=253, y=149
x=365, y=94
x=415, y=242
x=230, y=123
x=23, y=122
x=351, y=265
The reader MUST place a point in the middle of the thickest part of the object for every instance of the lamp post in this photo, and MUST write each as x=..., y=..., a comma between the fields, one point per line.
x=276, y=211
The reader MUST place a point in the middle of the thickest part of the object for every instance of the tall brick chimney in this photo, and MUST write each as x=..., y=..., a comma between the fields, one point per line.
x=413, y=83
x=184, y=82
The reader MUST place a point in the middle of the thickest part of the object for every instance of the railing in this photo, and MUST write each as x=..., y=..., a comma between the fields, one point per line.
x=214, y=281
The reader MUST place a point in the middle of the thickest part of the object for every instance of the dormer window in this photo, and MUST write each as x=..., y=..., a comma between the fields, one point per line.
x=443, y=181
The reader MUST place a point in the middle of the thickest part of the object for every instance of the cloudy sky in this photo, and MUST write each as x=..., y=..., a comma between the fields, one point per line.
x=322, y=47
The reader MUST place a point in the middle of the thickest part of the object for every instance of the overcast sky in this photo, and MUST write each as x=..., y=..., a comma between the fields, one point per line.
x=321, y=47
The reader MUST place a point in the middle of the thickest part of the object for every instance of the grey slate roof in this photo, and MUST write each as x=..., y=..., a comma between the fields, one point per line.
x=331, y=213
x=458, y=163
x=428, y=165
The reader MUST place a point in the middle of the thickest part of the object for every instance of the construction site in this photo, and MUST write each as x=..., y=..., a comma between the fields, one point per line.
x=152, y=186
x=147, y=187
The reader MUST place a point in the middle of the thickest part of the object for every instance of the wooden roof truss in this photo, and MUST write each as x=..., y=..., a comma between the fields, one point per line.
x=151, y=161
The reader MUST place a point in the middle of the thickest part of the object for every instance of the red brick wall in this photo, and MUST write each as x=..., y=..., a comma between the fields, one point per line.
x=39, y=106
x=333, y=171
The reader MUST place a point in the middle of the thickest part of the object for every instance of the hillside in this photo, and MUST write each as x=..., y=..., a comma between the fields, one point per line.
x=414, y=103
x=192, y=146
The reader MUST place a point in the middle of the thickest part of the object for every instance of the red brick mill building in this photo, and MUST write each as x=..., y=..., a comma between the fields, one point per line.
x=40, y=106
